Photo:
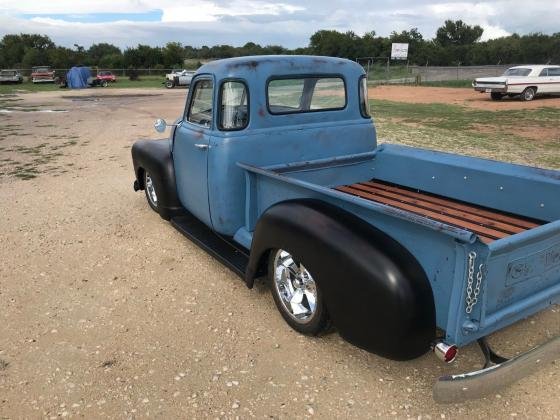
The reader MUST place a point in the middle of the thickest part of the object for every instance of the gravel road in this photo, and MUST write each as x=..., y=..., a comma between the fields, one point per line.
x=107, y=312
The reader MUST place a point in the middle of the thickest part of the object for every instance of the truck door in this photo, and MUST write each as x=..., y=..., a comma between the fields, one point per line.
x=190, y=149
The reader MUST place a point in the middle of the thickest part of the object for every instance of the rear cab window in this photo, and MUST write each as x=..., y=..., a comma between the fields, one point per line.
x=301, y=94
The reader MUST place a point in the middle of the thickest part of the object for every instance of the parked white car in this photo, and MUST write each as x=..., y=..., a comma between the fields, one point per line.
x=10, y=76
x=178, y=78
x=527, y=81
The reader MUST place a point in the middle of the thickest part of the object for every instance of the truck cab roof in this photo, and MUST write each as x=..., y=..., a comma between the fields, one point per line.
x=274, y=65
x=267, y=78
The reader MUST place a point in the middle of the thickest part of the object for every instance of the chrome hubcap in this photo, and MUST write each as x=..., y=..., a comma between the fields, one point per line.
x=295, y=286
x=151, y=190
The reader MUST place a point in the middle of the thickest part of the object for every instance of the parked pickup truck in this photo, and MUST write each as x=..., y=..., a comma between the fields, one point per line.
x=526, y=81
x=274, y=169
x=42, y=74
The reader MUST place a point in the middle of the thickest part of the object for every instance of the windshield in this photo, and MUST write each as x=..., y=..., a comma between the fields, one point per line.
x=41, y=69
x=517, y=72
x=7, y=73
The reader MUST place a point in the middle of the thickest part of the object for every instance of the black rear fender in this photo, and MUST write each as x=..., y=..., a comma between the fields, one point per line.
x=376, y=292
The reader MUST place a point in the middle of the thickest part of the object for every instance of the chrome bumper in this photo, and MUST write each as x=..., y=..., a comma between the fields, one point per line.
x=488, y=89
x=478, y=384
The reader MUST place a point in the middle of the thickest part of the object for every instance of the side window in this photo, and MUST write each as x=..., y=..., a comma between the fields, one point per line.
x=555, y=71
x=200, y=109
x=543, y=73
x=234, y=109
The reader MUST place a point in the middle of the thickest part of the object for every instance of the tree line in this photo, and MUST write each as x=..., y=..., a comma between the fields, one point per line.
x=455, y=43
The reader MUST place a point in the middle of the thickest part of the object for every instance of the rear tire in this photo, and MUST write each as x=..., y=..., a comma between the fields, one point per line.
x=529, y=94
x=104, y=83
x=150, y=190
x=496, y=96
x=296, y=294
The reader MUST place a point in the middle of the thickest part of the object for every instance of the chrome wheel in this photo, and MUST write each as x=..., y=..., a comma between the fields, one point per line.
x=529, y=94
x=295, y=287
x=150, y=190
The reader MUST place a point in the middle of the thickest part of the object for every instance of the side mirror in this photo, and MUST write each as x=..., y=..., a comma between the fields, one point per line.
x=160, y=125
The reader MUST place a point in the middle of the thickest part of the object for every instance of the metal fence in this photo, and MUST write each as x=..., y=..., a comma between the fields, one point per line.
x=438, y=74
x=116, y=72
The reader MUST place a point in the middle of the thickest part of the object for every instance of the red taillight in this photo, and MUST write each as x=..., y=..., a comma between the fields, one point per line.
x=446, y=352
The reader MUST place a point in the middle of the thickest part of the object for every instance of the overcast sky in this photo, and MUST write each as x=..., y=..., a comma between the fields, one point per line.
x=289, y=23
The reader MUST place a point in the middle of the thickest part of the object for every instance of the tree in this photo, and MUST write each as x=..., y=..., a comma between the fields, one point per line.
x=143, y=56
x=13, y=48
x=173, y=54
x=458, y=33
x=97, y=52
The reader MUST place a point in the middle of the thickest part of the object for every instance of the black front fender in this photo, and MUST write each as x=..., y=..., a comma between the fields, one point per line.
x=376, y=292
x=154, y=156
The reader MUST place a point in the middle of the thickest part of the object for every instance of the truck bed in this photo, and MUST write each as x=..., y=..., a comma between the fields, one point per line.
x=488, y=224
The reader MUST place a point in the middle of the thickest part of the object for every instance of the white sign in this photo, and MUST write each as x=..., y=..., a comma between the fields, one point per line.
x=399, y=51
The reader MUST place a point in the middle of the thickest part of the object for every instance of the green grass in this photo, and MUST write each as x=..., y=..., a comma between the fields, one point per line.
x=511, y=135
x=122, y=82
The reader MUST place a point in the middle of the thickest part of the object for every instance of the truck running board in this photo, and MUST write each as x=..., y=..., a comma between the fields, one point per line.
x=224, y=250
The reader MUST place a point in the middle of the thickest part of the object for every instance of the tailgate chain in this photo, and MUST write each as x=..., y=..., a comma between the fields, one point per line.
x=472, y=296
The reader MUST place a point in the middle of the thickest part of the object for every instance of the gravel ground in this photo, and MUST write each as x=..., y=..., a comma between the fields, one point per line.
x=107, y=312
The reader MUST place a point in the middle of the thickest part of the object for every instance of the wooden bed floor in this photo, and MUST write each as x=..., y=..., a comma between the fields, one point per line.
x=488, y=224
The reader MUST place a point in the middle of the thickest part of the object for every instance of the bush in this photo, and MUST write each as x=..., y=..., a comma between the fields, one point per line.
x=132, y=74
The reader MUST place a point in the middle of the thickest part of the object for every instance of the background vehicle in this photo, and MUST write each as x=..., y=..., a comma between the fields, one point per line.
x=526, y=81
x=105, y=77
x=10, y=76
x=274, y=169
x=42, y=74
x=178, y=78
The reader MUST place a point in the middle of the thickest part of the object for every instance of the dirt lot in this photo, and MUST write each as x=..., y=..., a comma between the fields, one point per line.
x=457, y=96
x=107, y=312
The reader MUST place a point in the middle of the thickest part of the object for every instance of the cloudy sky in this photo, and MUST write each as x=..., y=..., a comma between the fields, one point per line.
x=288, y=23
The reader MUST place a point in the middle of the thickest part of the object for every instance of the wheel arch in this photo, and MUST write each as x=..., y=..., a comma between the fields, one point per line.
x=376, y=292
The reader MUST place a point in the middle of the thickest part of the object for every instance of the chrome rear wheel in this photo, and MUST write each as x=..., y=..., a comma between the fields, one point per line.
x=296, y=293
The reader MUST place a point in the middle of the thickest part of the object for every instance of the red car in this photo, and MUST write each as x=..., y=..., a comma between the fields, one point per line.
x=106, y=76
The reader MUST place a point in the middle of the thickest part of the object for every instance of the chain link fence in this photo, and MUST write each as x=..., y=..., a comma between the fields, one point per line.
x=449, y=73
x=116, y=72
x=384, y=71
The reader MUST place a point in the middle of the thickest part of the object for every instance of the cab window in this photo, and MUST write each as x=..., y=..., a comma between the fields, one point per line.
x=306, y=94
x=234, y=108
x=200, y=110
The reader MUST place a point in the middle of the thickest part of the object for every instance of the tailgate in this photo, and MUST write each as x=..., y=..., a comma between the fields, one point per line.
x=523, y=276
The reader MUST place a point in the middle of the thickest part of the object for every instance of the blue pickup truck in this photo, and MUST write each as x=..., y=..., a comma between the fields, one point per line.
x=274, y=168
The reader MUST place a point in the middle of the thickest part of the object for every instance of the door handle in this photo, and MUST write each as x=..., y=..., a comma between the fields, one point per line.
x=201, y=146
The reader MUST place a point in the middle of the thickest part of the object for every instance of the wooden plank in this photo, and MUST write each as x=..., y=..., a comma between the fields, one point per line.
x=516, y=221
x=480, y=230
x=450, y=211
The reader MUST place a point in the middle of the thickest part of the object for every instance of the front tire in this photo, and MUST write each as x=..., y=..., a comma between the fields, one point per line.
x=169, y=84
x=150, y=190
x=104, y=83
x=529, y=94
x=296, y=294
x=496, y=96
